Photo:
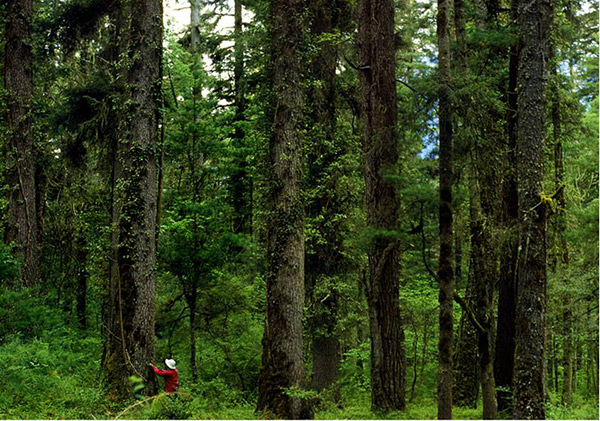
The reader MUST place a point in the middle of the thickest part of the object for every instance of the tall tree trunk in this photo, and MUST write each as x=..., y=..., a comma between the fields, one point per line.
x=325, y=253
x=377, y=80
x=444, y=397
x=562, y=260
x=483, y=264
x=241, y=183
x=22, y=217
x=282, y=364
x=130, y=342
x=507, y=292
x=465, y=388
x=529, y=372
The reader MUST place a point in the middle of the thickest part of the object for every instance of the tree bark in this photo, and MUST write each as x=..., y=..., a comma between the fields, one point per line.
x=562, y=259
x=377, y=81
x=241, y=182
x=22, y=217
x=282, y=364
x=529, y=372
x=465, y=387
x=445, y=272
x=325, y=261
x=507, y=292
x=130, y=340
x=483, y=266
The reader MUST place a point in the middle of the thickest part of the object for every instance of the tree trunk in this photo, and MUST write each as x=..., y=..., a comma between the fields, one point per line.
x=444, y=396
x=195, y=24
x=465, y=388
x=241, y=183
x=130, y=342
x=22, y=217
x=562, y=260
x=377, y=81
x=529, y=372
x=191, y=298
x=507, y=292
x=325, y=261
x=282, y=364
x=82, y=276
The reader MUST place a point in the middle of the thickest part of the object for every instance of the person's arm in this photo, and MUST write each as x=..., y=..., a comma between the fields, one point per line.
x=157, y=370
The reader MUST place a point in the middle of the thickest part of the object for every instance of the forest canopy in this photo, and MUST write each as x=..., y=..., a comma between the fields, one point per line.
x=299, y=209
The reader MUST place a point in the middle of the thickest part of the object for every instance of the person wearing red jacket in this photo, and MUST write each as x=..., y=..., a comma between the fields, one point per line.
x=170, y=375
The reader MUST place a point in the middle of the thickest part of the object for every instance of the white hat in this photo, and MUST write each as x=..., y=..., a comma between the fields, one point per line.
x=170, y=363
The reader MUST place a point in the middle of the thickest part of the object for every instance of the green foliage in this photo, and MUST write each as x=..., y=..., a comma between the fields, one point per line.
x=52, y=377
x=9, y=266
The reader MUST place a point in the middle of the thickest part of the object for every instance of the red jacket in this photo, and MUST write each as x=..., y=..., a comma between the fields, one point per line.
x=171, y=381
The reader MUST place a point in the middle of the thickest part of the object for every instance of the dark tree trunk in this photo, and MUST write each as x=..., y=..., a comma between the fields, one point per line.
x=325, y=261
x=130, y=342
x=241, y=183
x=22, y=217
x=377, y=80
x=444, y=397
x=458, y=239
x=529, y=372
x=483, y=265
x=82, y=276
x=562, y=259
x=191, y=298
x=466, y=373
x=282, y=364
x=465, y=388
x=507, y=291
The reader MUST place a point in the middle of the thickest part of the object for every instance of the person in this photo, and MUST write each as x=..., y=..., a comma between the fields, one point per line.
x=170, y=375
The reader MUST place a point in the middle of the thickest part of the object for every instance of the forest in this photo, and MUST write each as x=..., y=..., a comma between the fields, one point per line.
x=305, y=209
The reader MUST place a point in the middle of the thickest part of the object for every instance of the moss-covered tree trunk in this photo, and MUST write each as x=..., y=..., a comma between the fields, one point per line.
x=529, y=371
x=282, y=364
x=445, y=272
x=22, y=216
x=327, y=204
x=377, y=78
x=130, y=340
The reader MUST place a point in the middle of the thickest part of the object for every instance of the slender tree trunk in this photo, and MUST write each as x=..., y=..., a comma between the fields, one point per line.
x=191, y=297
x=377, y=81
x=562, y=260
x=241, y=183
x=22, y=217
x=465, y=387
x=466, y=354
x=507, y=295
x=282, y=364
x=82, y=276
x=529, y=372
x=457, y=252
x=130, y=342
x=195, y=23
x=444, y=399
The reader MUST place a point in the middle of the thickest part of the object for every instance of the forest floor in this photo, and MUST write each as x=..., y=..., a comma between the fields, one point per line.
x=52, y=371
